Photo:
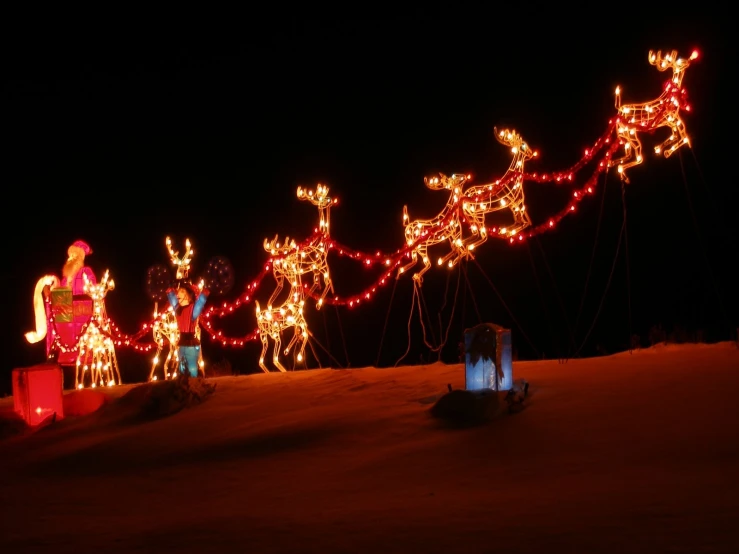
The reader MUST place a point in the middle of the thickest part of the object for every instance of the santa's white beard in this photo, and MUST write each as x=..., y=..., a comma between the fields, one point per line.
x=70, y=269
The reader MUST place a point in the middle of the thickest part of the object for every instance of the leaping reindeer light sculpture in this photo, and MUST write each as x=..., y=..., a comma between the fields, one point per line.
x=420, y=234
x=505, y=193
x=273, y=321
x=291, y=260
x=663, y=111
x=96, y=357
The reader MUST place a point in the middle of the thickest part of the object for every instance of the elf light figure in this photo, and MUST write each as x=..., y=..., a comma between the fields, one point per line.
x=188, y=301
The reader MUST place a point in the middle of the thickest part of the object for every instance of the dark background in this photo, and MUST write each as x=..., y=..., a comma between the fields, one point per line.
x=122, y=138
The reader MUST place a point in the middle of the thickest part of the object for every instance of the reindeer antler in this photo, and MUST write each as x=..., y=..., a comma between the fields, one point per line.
x=98, y=291
x=182, y=264
x=274, y=245
x=671, y=60
x=511, y=138
x=318, y=197
x=508, y=137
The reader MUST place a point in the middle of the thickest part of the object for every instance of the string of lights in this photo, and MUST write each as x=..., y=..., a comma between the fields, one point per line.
x=460, y=225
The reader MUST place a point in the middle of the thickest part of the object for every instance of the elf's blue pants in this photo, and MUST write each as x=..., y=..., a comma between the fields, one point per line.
x=189, y=356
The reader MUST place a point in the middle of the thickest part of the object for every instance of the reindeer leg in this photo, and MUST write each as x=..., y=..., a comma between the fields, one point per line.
x=457, y=252
x=521, y=221
x=423, y=253
x=115, y=368
x=316, y=281
x=327, y=286
x=154, y=363
x=406, y=267
x=677, y=138
x=477, y=227
x=264, y=338
x=276, y=353
x=316, y=286
x=174, y=362
x=303, y=343
x=167, y=364
x=632, y=154
x=297, y=334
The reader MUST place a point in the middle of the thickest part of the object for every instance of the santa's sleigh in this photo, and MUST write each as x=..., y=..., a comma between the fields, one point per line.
x=61, y=317
x=69, y=314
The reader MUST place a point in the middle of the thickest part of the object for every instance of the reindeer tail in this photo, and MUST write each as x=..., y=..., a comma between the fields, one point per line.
x=39, y=308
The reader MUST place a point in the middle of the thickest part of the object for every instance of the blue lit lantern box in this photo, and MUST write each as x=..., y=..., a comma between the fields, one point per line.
x=488, y=358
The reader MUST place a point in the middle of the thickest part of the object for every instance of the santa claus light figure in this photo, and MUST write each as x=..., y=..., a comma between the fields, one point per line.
x=188, y=302
x=64, y=303
x=75, y=270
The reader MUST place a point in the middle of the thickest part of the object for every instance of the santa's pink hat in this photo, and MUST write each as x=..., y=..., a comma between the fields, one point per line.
x=84, y=246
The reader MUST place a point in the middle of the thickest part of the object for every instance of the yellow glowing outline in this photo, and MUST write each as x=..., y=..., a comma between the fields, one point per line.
x=273, y=321
x=165, y=330
x=420, y=234
x=96, y=356
x=505, y=193
x=290, y=262
x=664, y=111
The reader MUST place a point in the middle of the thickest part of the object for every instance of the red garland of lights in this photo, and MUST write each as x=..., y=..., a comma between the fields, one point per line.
x=606, y=146
x=391, y=262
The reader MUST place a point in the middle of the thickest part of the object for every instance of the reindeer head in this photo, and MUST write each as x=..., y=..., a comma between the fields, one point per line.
x=453, y=183
x=274, y=247
x=518, y=146
x=182, y=265
x=671, y=61
x=320, y=198
x=98, y=291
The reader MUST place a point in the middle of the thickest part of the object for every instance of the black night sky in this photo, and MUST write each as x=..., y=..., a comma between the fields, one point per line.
x=122, y=139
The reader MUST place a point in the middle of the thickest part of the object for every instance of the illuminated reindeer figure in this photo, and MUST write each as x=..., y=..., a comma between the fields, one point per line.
x=273, y=321
x=664, y=111
x=291, y=261
x=504, y=193
x=295, y=260
x=182, y=265
x=420, y=234
x=165, y=331
x=322, y=201
x=96, y=356
x=283, y=264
